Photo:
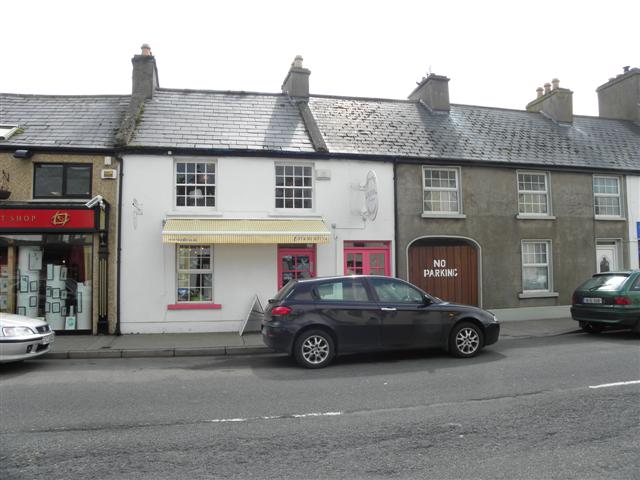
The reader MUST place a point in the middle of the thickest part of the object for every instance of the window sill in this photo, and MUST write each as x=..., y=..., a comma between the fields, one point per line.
x=443, y=215
x=520, y=216
x=293, y=213
x=538, y=295
x=610, y=219
x=193, y=212
x=194, y=306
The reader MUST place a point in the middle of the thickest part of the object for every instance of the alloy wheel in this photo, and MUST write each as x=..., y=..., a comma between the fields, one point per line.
x=315, y=349
x=467, y=340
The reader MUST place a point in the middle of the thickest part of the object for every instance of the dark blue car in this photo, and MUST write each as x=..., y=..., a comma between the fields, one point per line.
x=313, y=320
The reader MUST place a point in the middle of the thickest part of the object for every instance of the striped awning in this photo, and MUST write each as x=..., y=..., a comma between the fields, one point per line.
x=218, y=230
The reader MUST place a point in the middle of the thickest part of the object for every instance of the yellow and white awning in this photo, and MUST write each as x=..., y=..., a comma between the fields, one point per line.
x=250, y=231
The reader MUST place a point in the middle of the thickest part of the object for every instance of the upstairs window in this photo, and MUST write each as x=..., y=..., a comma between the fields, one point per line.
x=533, y=194
x=195, y=184
x=606, y=196
x=61, y=180
x=441, y=191
x=294, y=186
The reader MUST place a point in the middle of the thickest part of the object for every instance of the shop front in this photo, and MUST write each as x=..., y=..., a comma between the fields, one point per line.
x=47, y=264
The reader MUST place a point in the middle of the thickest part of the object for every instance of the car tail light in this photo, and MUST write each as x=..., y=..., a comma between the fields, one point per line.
x=622, y=301
x=277, y=311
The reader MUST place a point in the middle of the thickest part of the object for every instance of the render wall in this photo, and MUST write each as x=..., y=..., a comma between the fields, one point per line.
x=245, y=189
x=490, y=207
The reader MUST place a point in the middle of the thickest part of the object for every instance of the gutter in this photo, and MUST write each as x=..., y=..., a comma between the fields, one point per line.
x=119, y=247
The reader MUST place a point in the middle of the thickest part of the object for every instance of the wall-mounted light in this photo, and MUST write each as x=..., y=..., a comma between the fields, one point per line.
x=23, y=154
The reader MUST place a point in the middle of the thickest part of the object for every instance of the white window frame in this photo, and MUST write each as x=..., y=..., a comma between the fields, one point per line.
x=457, y=190
x=284, y=188
x=196, y=185
x=608, y=195
x=548, y=265
x=546, y=192
x=191, y=271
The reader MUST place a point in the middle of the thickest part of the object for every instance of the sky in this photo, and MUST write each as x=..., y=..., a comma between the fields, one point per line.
x=496, y=53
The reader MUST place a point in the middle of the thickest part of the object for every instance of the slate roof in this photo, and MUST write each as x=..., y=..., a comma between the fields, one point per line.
x=63, y=121
x=221, y=120
x=471, y=133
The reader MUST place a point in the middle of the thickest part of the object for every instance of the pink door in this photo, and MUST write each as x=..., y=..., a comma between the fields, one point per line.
x=295, y=263
x=366, y=260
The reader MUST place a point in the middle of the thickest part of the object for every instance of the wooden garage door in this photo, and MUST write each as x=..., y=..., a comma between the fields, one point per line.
x=446, y=271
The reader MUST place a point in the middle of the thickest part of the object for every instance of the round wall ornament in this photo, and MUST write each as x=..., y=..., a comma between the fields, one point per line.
x=371, y=196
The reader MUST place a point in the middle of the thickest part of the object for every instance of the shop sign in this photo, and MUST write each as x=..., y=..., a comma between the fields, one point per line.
x=440, y=270
x=46, y=219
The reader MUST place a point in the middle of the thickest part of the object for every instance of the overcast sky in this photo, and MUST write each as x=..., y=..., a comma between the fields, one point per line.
x=495, y=52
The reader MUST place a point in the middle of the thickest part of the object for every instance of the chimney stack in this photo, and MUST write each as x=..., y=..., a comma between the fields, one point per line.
x=556, y=102
x=433, y=91
x=296, y=83
x=619, y=98
x=145, y=73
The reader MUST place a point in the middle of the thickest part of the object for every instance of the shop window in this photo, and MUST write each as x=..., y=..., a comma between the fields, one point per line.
x=61, y=180
x=294, y=186
x=606, y=196
x=295, y=262
x=533, y=194
x=536, y=266
x=367, y=258
x=441, y=191
x=195, y=273
x=195, y=184
x=48, y=276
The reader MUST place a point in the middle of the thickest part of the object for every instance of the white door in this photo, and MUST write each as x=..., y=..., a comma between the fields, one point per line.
x=606, y=257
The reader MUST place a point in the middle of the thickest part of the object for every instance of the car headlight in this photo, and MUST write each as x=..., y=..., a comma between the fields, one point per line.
x=16, y=331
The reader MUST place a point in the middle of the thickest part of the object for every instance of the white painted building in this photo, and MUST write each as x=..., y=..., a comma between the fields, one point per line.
x=633, y=209
x=155, y=297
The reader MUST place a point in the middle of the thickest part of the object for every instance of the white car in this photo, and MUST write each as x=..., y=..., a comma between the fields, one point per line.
x=22, y=337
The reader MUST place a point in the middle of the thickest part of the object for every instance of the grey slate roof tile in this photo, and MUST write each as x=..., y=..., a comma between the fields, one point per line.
x=63, y=121
x=470, y=133
x=237, y=120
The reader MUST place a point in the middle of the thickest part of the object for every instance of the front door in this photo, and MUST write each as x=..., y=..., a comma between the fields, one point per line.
x=606, y=257
x=367, y=258
x=294, y=263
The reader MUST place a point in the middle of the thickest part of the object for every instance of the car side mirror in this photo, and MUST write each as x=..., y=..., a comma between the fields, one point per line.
x=427, y=300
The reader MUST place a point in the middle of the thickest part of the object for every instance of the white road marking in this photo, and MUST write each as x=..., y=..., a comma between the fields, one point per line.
x=276, y=417
x=617, y=384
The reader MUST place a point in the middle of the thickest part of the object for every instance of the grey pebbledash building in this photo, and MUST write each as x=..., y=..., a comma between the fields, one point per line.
x=506, y=209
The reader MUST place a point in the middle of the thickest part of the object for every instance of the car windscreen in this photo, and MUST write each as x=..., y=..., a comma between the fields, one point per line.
x=604, y=283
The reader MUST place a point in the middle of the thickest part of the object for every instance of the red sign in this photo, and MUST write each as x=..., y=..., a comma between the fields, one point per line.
x=49, y=219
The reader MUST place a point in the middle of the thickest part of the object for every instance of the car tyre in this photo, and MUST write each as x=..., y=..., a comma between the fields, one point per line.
x=466, y=340
x=590, y=327
x=314, y=349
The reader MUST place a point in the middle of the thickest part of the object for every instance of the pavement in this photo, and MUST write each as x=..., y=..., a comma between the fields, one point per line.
x=231, y=343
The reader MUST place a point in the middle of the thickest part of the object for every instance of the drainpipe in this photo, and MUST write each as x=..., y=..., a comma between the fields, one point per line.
x=395, y=215
x=119, y=247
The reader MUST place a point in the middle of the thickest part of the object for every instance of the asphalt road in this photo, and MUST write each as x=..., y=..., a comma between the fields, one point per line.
x=523, y=409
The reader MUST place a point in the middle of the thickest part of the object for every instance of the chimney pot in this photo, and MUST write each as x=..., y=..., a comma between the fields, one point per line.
x=556, y=83
x=296, y=83
x=626, y=68
x=146, y=49
x=547, y=88
x=539, y=91
x=297, y=62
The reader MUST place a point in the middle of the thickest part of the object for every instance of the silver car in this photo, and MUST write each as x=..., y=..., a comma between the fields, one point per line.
x=22, y=337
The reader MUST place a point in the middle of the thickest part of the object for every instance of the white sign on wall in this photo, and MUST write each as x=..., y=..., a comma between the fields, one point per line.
x=440, y=270
x=370, y=190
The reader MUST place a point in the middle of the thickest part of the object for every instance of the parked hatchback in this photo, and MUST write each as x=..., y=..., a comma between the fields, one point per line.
x=22, y=337
x=610, y=299
x=315, y=319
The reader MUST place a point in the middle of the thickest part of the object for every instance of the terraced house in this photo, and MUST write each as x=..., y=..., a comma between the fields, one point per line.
x=224, y=196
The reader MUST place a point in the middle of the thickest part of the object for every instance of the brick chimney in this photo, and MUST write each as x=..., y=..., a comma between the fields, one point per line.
x=145, y=73
x=433, y=92
x=296, y=83
x=556, y=103
x=619, y=98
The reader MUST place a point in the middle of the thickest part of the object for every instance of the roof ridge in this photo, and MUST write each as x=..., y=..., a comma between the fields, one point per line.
x=227, y=92
x=41, y=95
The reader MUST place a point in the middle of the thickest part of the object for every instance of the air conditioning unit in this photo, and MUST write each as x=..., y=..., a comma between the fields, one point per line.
x=108, y=173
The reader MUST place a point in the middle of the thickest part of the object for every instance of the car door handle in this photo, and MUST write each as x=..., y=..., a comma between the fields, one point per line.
x=388, y=309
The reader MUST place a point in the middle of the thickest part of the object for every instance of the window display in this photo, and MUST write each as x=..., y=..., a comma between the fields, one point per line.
x=47, y=276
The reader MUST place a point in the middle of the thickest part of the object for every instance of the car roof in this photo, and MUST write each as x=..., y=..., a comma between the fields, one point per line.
x=338, y=277
x=620, y=272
